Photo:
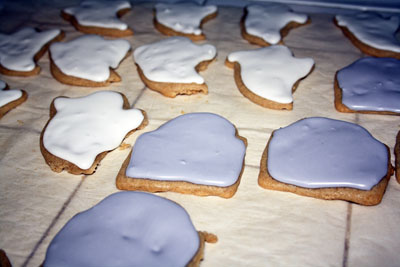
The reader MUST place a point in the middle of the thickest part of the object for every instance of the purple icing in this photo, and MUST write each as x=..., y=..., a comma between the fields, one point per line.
x=321, y=152
x=371, y=84
x=126, y=229
x=200, y=148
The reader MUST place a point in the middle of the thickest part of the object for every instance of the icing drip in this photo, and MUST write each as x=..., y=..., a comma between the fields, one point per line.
x=373, y=30
x=320, y=152
x=266, y=21
x=89, y=56
x=371, y=84
x=99, y=14
x=87, y=126
x=200, y=148
x=126, y=229
x=17, y=50
x=173, y=60
x=271, y=72
x=7, y=96
x=185, y=17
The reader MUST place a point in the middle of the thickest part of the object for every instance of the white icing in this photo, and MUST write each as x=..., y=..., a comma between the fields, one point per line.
x=89, y=56
x=18, y=49
x=87, y=126
x=320, y=152
x=271, y=72
x=126, y=229
x=266, y=21
x=371, y=83
x=173, y=60
x=184, y=17
x=99, y=14
x=373, y=30
x=199, y=148
x=7, y=96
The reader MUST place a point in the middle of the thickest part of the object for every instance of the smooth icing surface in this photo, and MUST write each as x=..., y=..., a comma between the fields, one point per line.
x=89, y=56
x=371, y=84
x=126, y=229
x=373, y=30
x=7, y=96
x=266, y=21
x=18, y=49
x=271, y=72
x=87, y=126
x=173, y=60
x=321, y=152
x=184, y=17
x=99, y=13
x=200, y=148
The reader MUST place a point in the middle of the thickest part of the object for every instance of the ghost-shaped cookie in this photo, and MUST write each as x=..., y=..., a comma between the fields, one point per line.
x=99, y=17
x=88, y=60
x=196, y=153
x=20, y=50
x=81, y=131
x=171, y=66
x=268, y=76
x=10, y=99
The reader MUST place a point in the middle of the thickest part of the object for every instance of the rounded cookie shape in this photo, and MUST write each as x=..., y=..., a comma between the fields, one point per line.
x=9, y=99
x=372, y=33
x=88, y=57
x=20, y=50
x=270, y=23
x=325, y=153
x=99, y=17
x=369, y=84
x=269, y=74
x=81, y=129
x=126, y=229
x=183, y=19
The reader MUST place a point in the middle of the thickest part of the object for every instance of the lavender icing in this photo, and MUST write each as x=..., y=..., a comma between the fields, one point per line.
x=126, y=229
x=371, y=84
x=200, y=148
x=320, y=152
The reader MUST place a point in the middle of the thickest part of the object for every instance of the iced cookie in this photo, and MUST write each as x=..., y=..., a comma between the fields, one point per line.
x=267, y=24
x=20, y=50
x=129, y=229
x=99, y=17
x=397, y=157
x=10, y=99
x=170, y=66
x=196, y=153
x=184, y=19
x=327, y=159
x=369, y=85
x=88, y=60
x=373, y=34
x=81, y=131
x=268, y=76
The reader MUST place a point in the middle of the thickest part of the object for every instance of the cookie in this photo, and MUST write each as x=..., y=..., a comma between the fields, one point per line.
x=101, y=18
x=183, y=19
x=88, y=60
x=4, y=261
x=327, y=159
x=20, y=51
x=268, y=76
x=170, y=66
x=81, y=131
x=397, y=157
x=373, y=34
x=10, y=99
x=267, y=24
x=129, y=229
x=369, y=85
x=196, y=153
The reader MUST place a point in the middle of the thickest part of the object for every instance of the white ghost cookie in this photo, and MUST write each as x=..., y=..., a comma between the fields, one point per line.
x=81, y=131
x=10, y=99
